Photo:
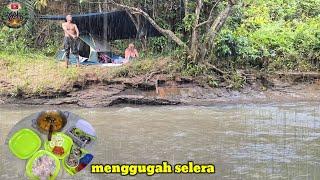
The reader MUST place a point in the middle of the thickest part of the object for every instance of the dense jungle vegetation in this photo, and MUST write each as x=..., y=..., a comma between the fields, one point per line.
x=259, y=35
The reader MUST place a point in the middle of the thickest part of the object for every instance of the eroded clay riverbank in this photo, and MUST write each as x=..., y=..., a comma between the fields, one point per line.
x=179, y=91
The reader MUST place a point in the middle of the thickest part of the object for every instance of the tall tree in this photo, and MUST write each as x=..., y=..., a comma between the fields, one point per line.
x=194, y=46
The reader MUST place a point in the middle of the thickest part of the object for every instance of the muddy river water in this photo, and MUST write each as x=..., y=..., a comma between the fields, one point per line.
x=254, y=141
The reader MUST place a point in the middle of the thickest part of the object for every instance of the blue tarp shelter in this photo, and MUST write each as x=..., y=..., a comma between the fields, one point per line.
x=97, y=29
x=89, y=49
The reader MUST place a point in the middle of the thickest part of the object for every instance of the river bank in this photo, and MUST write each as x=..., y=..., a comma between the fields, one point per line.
x=159, y=89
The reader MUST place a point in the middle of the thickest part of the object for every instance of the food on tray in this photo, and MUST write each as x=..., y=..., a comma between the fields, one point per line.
x=76, y=151
x=60, y=145
x=56, y=141
x=72, y=161
x=81, y=136
x=58, y=150
x=85, y=139
x=43, y=167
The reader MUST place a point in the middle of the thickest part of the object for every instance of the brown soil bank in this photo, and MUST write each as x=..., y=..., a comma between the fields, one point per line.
x=162, y=90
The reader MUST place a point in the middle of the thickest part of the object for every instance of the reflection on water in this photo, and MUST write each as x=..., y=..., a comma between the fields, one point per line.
x=280, y=141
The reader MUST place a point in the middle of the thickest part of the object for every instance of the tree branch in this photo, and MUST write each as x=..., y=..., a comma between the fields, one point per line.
x=232, y=2
x=210, y=18
x=166, y=32
x=215, y=69
x=203, y=23
x=136, y=20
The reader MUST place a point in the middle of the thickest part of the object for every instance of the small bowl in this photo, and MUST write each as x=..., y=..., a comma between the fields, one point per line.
x=67, y=161
x=76, y=152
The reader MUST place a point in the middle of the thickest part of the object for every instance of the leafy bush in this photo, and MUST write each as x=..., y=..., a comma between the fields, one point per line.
x=273, y=35
x=13, y=40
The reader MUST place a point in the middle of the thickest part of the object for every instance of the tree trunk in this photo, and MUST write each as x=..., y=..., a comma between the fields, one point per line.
x=217, y=24
x=186, y=9
x=215, y=28
x=194, y=37
x=210, y=19
x=100, y=7
x=136, y=21
x=65, y=6
x=153, y=9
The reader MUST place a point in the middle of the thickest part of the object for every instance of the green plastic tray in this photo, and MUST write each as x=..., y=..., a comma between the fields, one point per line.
x=37, y=155
x=67, y=144
x=24, y=143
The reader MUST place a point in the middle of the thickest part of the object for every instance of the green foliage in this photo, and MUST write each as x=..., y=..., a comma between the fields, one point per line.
x=212, y=82
x=21, y=40
x=238, y=49
x=40, y=4
x=3, y=12
x=13, y=40
x=273, y=35
x=308, y=8
x=192, y=69
x=136, y=67
x=188, y=21
x=237, y=81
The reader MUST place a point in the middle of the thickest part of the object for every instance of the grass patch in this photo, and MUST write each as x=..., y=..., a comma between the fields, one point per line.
x=135, y=68
x=33, y=74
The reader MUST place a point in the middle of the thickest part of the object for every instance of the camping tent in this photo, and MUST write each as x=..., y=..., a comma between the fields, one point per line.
x=96, y=29
x=89, y=47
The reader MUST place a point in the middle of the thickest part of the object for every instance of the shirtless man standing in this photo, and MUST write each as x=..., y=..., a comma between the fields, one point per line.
x=70, y=41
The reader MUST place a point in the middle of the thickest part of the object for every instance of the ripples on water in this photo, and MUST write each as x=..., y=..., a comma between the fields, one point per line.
x=269, y=141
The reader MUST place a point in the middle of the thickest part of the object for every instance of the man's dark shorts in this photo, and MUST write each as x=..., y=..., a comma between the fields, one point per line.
x=72, y=45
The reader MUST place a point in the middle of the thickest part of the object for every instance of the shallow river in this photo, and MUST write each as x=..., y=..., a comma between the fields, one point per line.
x=269, y=141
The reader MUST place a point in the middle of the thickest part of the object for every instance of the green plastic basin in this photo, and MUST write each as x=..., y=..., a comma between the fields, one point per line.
x=24, y=143
x=36, y=156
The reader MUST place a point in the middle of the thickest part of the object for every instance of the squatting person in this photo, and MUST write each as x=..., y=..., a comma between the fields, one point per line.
x=131, y=53
x=70, y=41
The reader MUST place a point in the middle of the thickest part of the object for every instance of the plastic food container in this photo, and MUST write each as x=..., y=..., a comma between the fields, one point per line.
x=63, y=141
x=24, y=143
x=80, y=137
x=86, y=127
x=37, y=155
x=72, y=170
